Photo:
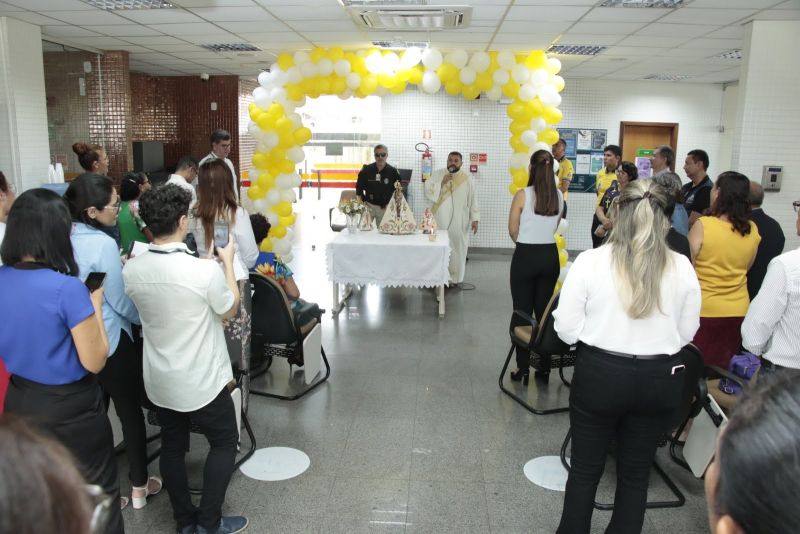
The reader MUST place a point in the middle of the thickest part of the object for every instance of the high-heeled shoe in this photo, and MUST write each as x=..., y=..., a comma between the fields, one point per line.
x=139, y=495
x=521, y=374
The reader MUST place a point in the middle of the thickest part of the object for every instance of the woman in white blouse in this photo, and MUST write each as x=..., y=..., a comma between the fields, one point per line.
x=216, y=202
x=630, y=305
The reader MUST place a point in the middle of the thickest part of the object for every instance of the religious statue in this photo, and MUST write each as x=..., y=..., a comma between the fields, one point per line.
x=428, y=222
x=398, y=218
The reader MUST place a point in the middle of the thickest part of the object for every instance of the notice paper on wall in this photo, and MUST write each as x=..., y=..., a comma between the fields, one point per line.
x=583, y=164
x=584, y=140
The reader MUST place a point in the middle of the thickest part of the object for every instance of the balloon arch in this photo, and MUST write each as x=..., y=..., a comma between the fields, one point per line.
x=531, y=80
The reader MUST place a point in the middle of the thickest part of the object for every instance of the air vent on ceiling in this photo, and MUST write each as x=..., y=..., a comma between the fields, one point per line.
x=231, y=47
x=397, y=44
x=576, y=50
x=730, y=54
x=667, y=77
x=112, y=5
x=663, y=4
x=427, y=18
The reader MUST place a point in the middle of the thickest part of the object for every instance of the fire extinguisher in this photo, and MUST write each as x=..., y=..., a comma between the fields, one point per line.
x=427, y=160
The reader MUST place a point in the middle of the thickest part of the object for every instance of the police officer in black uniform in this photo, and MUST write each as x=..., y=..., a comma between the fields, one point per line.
x=375, y=184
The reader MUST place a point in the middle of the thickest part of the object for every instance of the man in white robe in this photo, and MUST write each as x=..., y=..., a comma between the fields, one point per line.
x=455, y=207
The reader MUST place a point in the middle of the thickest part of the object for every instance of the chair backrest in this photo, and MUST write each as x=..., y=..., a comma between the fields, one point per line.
x=692, y=376
x=347, y=194
x=547, y=341
x=272, y=319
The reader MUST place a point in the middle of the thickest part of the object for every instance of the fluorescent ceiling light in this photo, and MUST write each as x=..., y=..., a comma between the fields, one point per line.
x=111, y=5
x=385, y=3
x=730, y=54
x=231, y=47
x=664, y=4
x=667, y=77
x=576, y=50
x=399, y=44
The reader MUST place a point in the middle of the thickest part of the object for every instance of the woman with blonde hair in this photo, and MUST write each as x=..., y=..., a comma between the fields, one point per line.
x=630, y=305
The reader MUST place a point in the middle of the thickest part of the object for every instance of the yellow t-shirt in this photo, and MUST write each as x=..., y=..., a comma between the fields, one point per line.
x=602, y=182
x=721, y=267
x=565, y=172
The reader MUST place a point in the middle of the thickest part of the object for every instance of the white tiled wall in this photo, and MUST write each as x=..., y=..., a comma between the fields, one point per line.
x=482, y=126
x=25, y=152
x=769, y=115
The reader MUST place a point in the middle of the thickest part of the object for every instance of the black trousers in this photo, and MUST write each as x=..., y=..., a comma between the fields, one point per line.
x=629, y=400
x=217, y=422
x=534, y=273
x=122, y=379
x=75, y=415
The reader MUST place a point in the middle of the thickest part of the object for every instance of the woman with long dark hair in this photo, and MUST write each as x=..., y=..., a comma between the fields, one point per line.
x=630, y=305
x=532, y=222
x=93, y=204
x=53, y=340
x=724, y=245
x=131, y=226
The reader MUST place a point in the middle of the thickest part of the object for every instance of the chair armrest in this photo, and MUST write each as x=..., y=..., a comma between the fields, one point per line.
x=527, y=318
x=724, y=373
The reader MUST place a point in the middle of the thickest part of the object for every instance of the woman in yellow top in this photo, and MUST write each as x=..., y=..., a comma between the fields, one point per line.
x=723, y=246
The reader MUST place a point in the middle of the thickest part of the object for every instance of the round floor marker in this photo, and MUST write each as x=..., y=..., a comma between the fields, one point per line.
x=276, y=463
x=547, y=472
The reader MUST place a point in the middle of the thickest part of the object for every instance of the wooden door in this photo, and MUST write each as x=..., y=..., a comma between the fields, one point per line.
x=636, y=135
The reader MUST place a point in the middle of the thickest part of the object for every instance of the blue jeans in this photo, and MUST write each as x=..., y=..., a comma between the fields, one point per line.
x=628, y=400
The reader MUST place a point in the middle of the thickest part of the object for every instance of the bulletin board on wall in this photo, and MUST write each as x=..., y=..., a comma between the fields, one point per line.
x=585, y=151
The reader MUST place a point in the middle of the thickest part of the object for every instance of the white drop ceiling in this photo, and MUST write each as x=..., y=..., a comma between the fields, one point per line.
x=641, y=41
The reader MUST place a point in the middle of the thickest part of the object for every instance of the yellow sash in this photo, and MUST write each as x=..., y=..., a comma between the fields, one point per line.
x=458, y=180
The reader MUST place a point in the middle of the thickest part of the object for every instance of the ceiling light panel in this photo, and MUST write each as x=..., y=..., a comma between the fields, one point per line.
x=662, y=77
x=111, y=5
x=576, y=50
x=664, y=4
x=730, y=54
x=231, y=47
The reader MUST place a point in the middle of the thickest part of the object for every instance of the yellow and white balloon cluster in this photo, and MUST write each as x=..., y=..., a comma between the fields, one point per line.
x=531, y=80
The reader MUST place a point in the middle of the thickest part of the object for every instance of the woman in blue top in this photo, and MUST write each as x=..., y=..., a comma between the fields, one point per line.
x=53, y=339
x=93, y=204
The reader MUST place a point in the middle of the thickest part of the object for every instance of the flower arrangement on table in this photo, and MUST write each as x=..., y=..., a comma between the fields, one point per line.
x=353, y=206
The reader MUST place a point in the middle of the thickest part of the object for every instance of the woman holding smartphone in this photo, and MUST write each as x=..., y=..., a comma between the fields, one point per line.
x=93, y=205
x=53, y=340
x=213, y=220
x=630, y=305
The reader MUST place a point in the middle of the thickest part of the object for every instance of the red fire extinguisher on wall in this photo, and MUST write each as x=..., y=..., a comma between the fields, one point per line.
x=427, y=160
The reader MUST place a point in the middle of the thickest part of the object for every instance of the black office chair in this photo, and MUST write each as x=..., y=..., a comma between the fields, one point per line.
x=546, y=350
x=275, y=333
x=692, y=401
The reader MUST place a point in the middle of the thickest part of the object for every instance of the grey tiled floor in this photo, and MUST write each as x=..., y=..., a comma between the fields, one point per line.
x=411, y=434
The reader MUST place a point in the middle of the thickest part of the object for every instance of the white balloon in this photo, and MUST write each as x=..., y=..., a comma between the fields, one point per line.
x=541, y=145
x=348, y=93
x=353, y=80
x=381, y=91
x=519, y=160
x=295, y=154
x=539, y=77
x=279, y=77
x=467, y=76
x=563, y=226
x=294, y=75
x=555, y=165
x=520, y=73
x=272, y=197
x=287, y=195
x=264, y=78
x=457, y=57
x=431, y=58
x=301, y=56
x=259, y=205
x=374, y=62
x=283, y=181
x=558, y=80
x=431, y=82
x=297, y=121
x=538, y=124
x=495, y=93
x=527, y=92
x=253, y=129
x=296, y=180
x=296, y=104
x=506, y=59
x=391, y=62
x=287, y=257
x=261, y=147
x=501, y=76
x=278, y=94
x=555, y=64
x=308, y=69
x=479, y=61
x=261, y=97
x=325, y=67
x=549, y=96
x=270, y=140
x=411, y=57
x=281, y=246
x=564, y=270
x=342, y=67
x=529, y=138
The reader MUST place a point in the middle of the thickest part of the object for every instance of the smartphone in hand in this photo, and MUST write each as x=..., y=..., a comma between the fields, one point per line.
x=221, y=234
x=95, y=281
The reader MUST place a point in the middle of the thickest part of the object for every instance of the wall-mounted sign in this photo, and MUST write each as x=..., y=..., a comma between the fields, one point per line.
x=473, y=169
x=482, y=158
x=426, y=134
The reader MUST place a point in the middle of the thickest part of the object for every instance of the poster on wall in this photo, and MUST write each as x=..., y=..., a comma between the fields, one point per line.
x=598, y=139
x=584, y=140
x=570, y=139
x=585, y=151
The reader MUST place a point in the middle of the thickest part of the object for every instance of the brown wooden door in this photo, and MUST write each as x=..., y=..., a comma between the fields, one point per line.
x=636, y=135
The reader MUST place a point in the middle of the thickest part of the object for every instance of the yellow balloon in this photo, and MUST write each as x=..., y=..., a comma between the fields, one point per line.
x=368, y=84
x=286, y=166
x=266, y=245
x=562, y=257
x=519, y=177
x=387, y=80
x=308, y=85
x=404, y=75
x=556, y=289
x=323, y=85
x=415, y=76
x=513, y=189
x=260, y=161
x=561, y=243
x=447, y=72
x=335, y=54
x=265, y=181
x=283, y=209
x=518, y=145
x=398, y=88
x=453, y=87
x=471, y=92
x=294, y=91
x=317, y=53
x=254, y=113
x=255, y=192
x=286, y=221
x=277, y=231
x=535, y=108
x=536, y=59
x=285, y=61
x=283, y=125
x=265, y=122
x=558, y=83
x=518, y=126
x=302, y=135
x=511, y=89
x=275, y=110
x=484, y=81
x=516, y=110
x=286, y=139
x=552, y=115
x=276, y=154
x=338, y=85
x=549, y=136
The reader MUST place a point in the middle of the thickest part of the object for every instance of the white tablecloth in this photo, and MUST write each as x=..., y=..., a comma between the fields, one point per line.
x=388, y=260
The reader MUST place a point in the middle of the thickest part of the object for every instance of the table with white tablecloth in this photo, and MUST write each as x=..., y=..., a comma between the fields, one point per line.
x=373, y=258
